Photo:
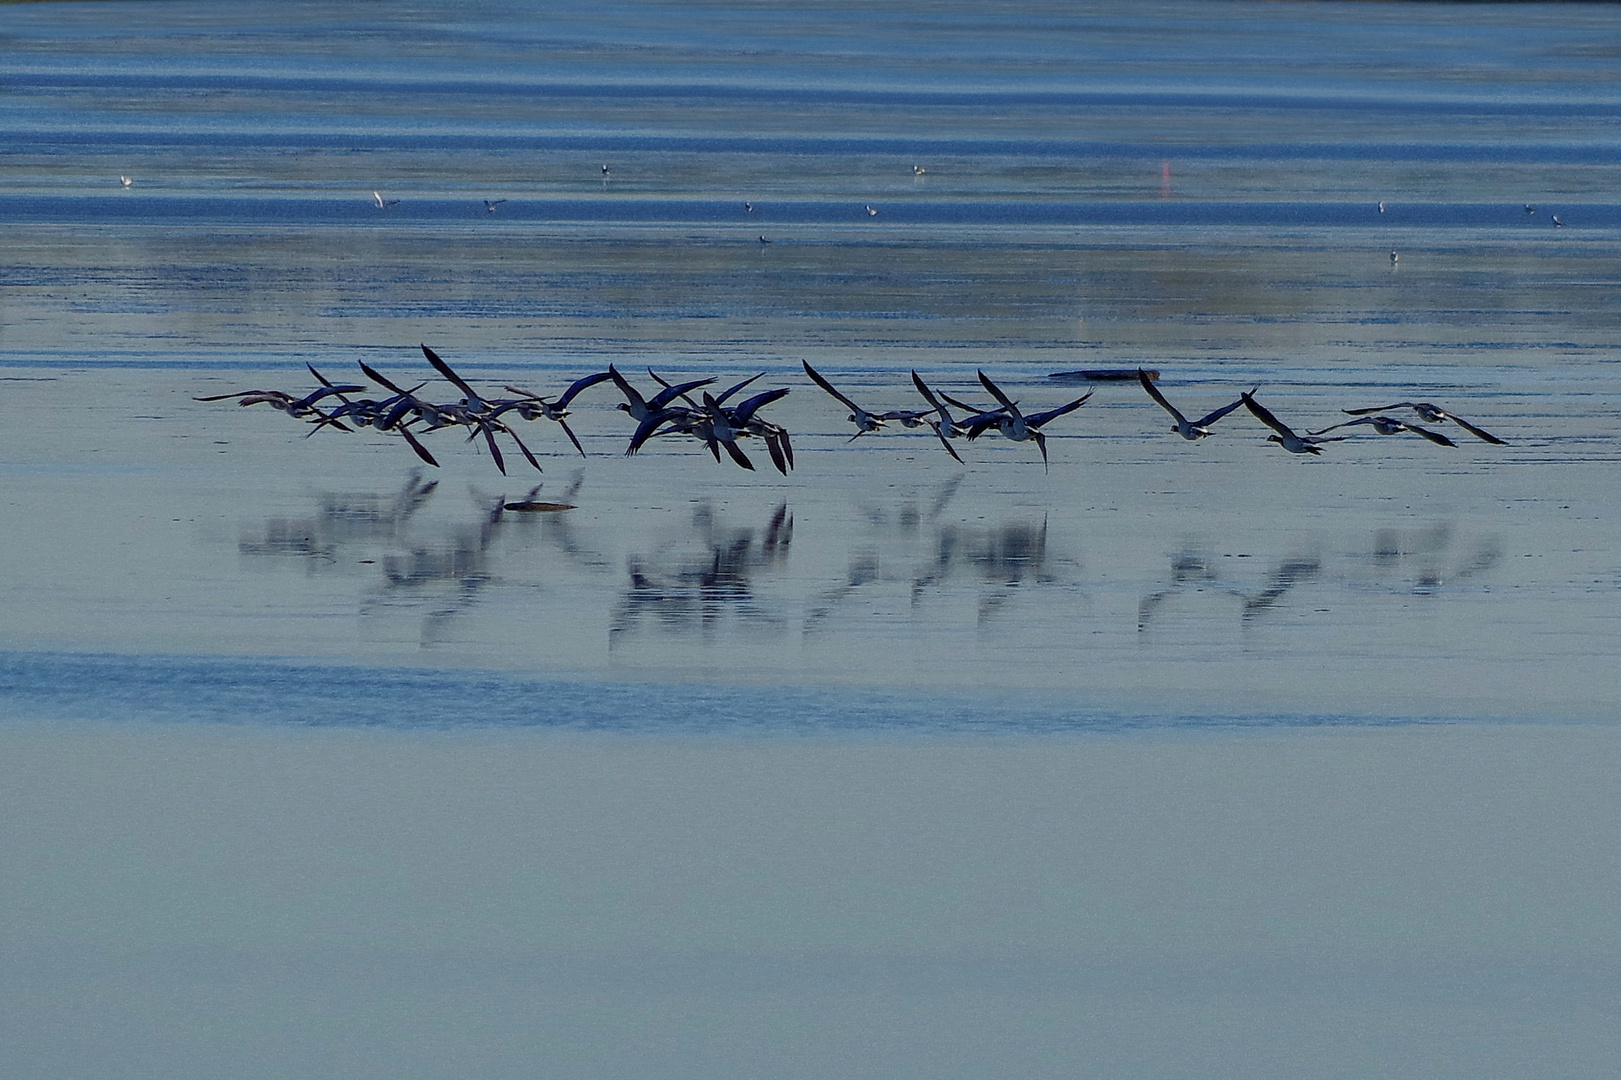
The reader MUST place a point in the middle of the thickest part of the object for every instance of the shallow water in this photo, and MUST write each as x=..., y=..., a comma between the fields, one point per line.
x=1170, y=759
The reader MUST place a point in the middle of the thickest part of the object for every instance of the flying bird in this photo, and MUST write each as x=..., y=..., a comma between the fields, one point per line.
x=1386, y=425
x=1432, y=414
x=1189, y=430
x=1285, y=437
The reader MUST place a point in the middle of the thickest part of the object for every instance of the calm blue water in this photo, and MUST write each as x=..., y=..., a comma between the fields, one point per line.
x=1210, y=190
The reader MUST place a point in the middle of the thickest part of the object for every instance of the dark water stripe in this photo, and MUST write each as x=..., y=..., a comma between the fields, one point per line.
x=377, y=84
x=145, y=208
x=47, y=139
x=229, y=690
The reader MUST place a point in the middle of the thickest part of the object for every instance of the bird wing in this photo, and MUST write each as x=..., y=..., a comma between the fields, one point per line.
x=632, y=395
x=928, y=395
x=996, y=392
x=720, y=399
x=670, y=393
x=1153, y=392
x=1434, y=436
x=1332, y=427
x=816, y=378
x=456, y=380
x=745, y=412
x=1052, y=414
x=581, y=384
x=1473, y=430
x=1206, y=421
x=373, y=375
x=945, y=442
x=1260, y=413
x=1380, y=409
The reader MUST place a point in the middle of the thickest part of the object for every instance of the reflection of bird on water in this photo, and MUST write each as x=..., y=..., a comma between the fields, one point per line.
x=1187, y=568
x=1385, y=425
x=1279, y=583
x=697, y=592
x=1193, y=430
x=1285, y=437
x=1433, y=414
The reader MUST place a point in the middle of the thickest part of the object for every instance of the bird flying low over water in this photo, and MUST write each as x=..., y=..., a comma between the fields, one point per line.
x=1386, y=425
x=1285, y=437
x=945, y=427
x=532, y=406
x=1015, y=425
x=1433, y=414
x=864, y=421
x=1189, y=430
x=491, y=204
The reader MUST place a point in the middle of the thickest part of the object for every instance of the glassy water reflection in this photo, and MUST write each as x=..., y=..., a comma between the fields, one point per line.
x=817, y=580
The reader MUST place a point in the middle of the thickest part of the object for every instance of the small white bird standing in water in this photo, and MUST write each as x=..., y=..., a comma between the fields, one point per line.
x=1557, y=223
x=126, y=181
x=1393, y=258
x=870, y=211
x=918, y=170
x=1381, y=206
x=382, y=203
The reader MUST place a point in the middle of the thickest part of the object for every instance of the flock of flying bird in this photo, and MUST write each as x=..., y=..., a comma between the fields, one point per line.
x=673, y=410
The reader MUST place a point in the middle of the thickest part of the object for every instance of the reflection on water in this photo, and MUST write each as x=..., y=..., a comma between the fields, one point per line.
x=1422, y=561
x=693, y=584
x=438, y=568
x=910, y=542
x=341, y=521
x=749, y=585
x=1418, y=562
